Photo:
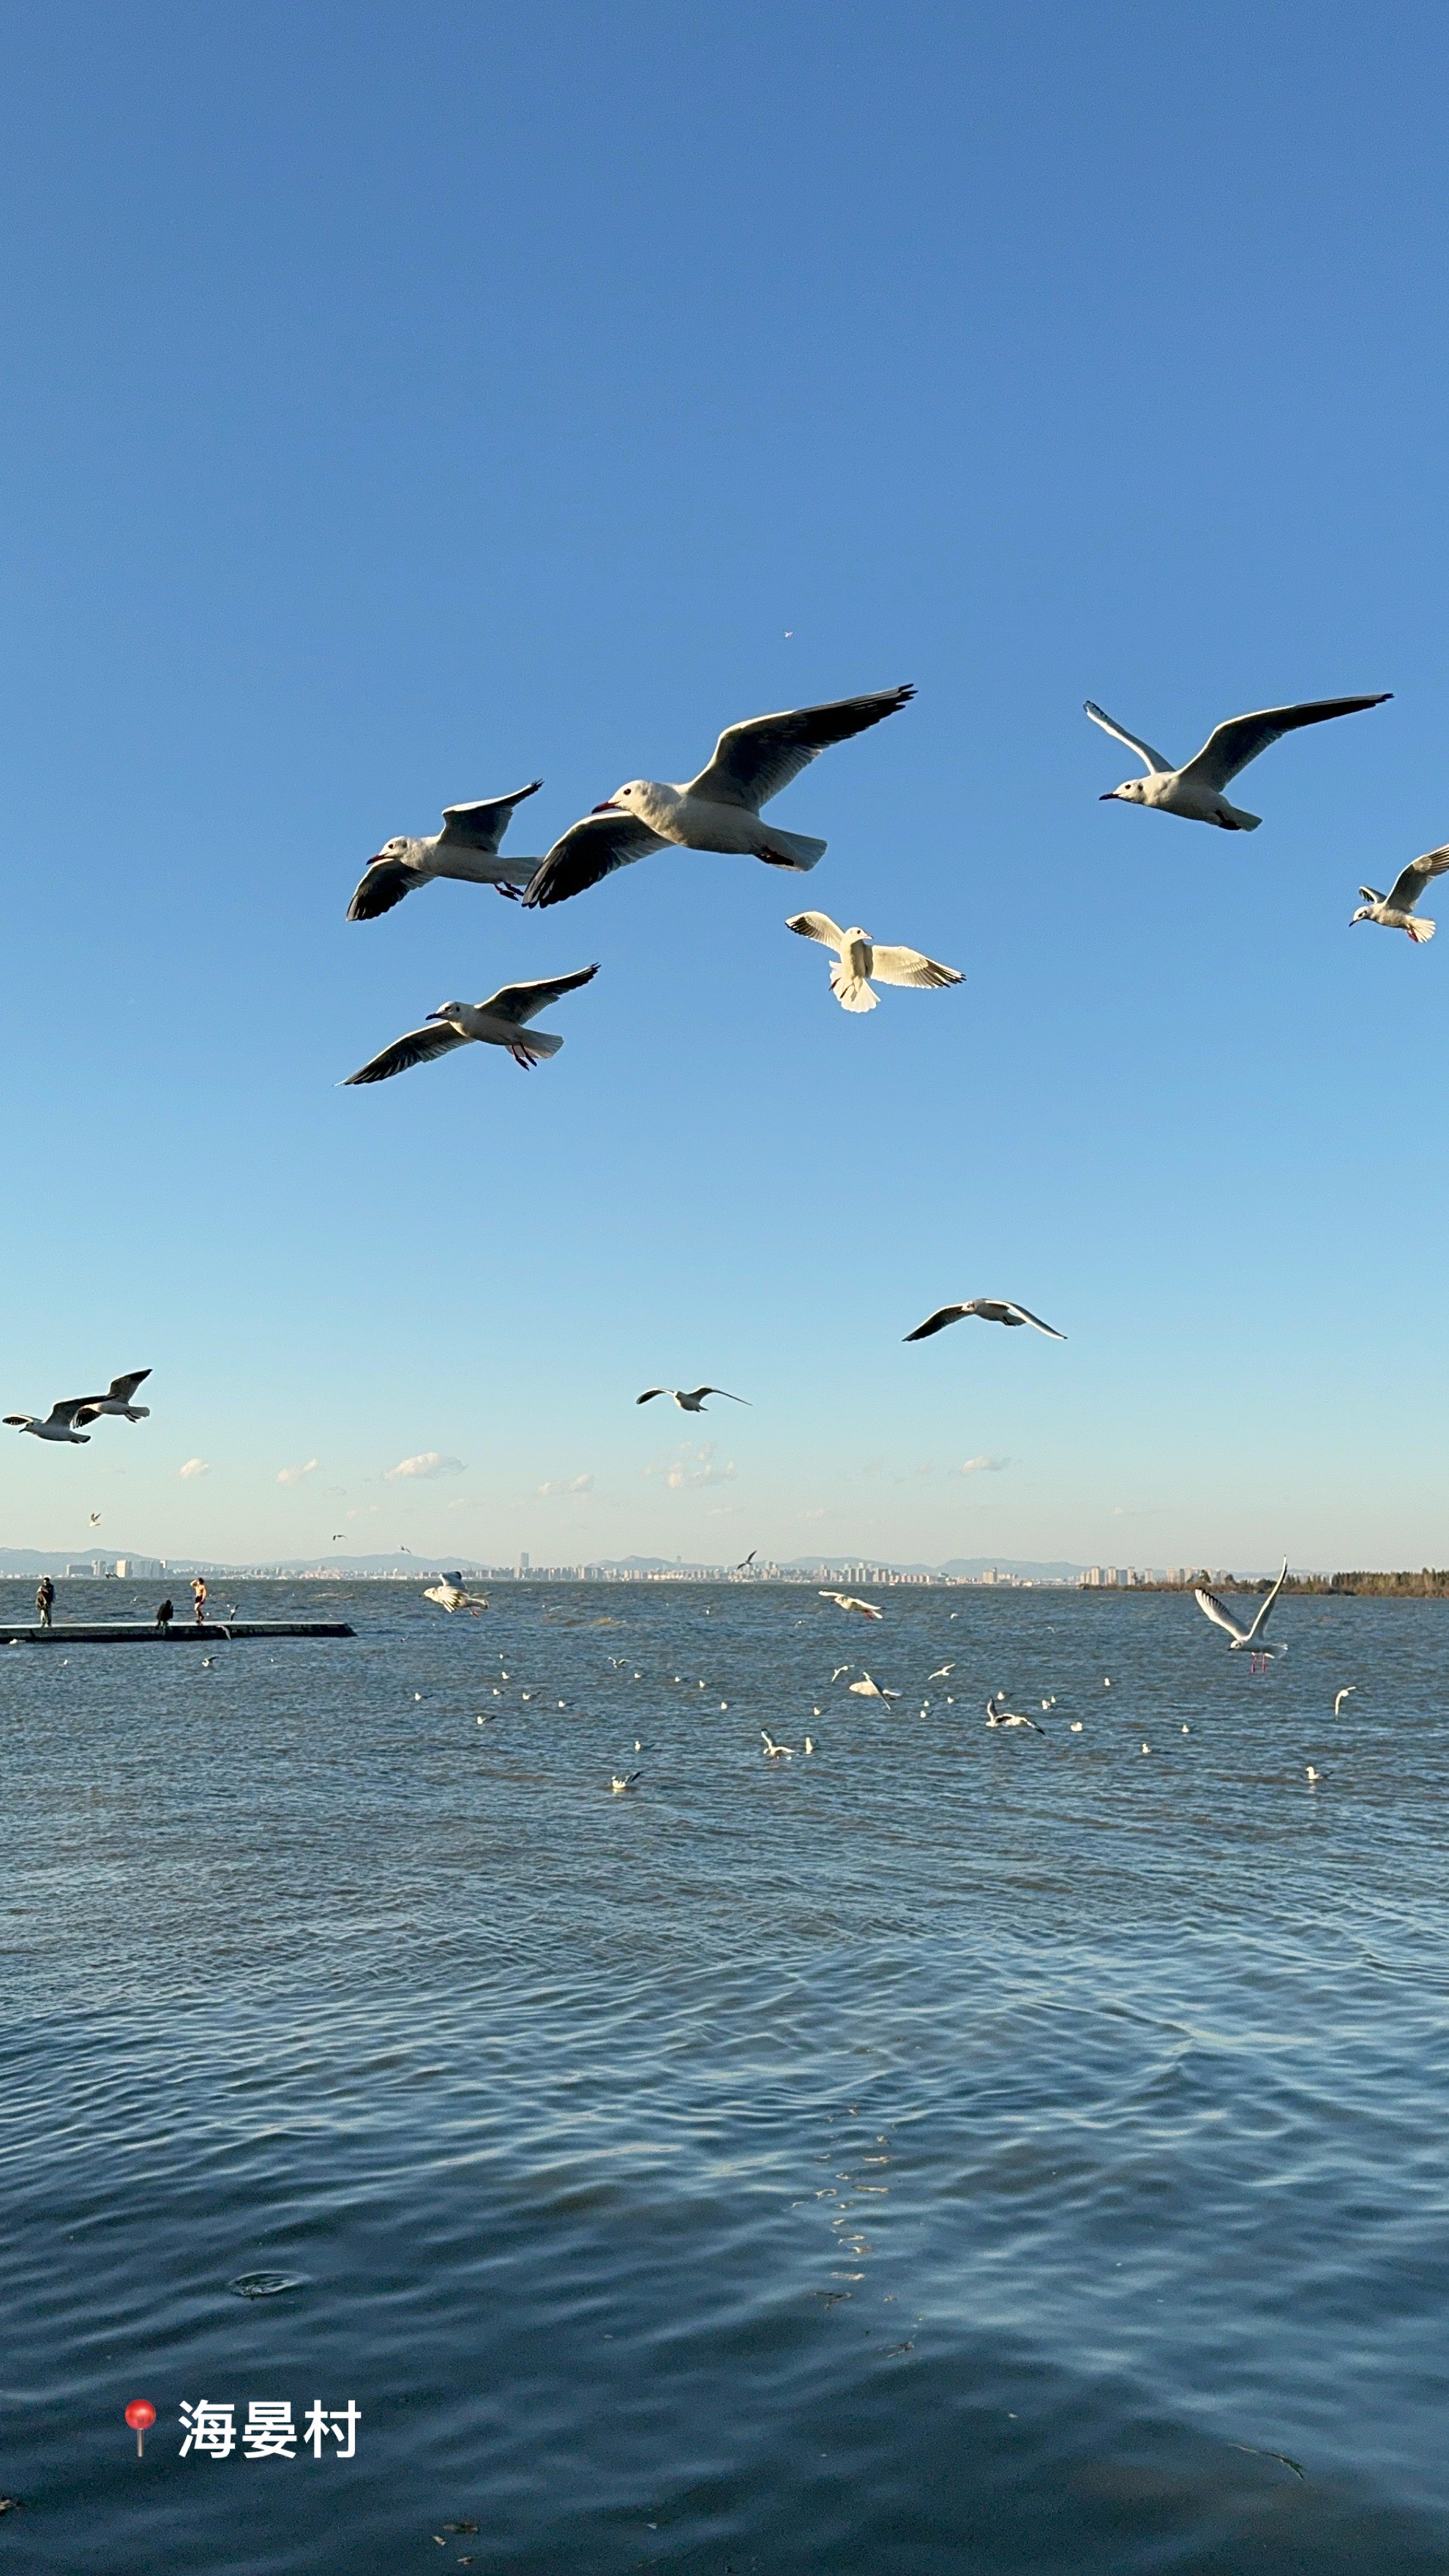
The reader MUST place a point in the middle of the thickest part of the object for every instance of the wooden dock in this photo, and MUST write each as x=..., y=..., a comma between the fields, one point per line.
x=202, y=1632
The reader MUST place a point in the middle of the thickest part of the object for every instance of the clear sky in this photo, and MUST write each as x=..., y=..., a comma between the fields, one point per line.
x=405, y=402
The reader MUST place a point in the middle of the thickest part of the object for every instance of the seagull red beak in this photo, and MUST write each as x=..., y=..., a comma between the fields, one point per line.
x=608, y=807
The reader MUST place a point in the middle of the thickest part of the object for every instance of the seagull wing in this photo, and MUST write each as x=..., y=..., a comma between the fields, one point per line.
x=937, y=1323
x=1212, y=1608
x=908, y=966
x=123, y=1388
x=70, y=1409
x=718, y=1390
x=586, y=852
x=754, y=760
x=1144, y=750
x=1231, y=746
x=523, y=1002
x=1410, y=882
x=482, y=826
x=385, y=884
x=1267, y=1605
x=650, y=1393
x=817, y=925
x=418, y=1047
x=1024, y=1315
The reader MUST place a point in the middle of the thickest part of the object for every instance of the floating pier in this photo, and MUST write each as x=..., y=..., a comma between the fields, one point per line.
x=139, y=1632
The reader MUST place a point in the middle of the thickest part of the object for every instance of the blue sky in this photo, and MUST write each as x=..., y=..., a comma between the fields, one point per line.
x=405, y=403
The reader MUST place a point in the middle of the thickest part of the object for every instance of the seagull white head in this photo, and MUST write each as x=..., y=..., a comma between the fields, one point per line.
x=396, y=848
x=1131, y=792
x=626, y=799
x=445, y=1011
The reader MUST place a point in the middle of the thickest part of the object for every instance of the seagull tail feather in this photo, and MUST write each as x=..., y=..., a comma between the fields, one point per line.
x=793, y=849
x=1419, y=931
x=852, y=992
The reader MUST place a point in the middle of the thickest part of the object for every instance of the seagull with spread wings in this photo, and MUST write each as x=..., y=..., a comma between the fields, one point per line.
x=998, y=1714
x=59, y=1423
x=467, y=847
x=500, y=1022
x=1395, y=910
x=848, y=1601
x=1196, y=790
x=690, y=1399
x=858, y=959
x=992, y=1310
x=718, y=810
x=1240, y=1637
x=117, y=1400
x=450, y=1593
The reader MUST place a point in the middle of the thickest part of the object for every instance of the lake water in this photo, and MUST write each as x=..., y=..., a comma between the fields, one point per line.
x=950, y=2151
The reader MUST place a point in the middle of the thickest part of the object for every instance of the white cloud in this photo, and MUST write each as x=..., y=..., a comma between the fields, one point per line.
x=695, y=1465
x=298, y=1475
x=568, y=1485
x=194, y=1467
x=984, y=1466
x=429, y=1462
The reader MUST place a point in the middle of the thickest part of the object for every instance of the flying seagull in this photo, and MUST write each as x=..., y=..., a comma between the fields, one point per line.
x=997, y=1714
x=1238, y=1635
x=867, y=1689
x=1348, y=1691
x=1196, y=790
x=1394, y=910
x=847, y=1601
x=450, y=1594
x=59, y=1423
x=500, y=1021
x=466, y=847
x=689, y=1399
x=992, y=1310
x=117, y=1399
x=776, y=1752
x=718, y=810
x=743, y=1568
x=858, y=958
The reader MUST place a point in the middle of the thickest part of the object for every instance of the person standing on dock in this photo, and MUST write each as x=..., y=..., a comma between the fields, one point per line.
x=198, y=1596
x=45, y=1599
x=164, y=1617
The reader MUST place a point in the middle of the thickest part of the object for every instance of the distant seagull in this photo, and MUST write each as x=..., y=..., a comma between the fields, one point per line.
x=776, y=1752
x=1195, y=790
x=718, y=810
x=59, y=1423
x=690, y=1399
x=1238, y=1635
x=622, y=1780
x=944, y=1673
x=848, y=1601
x=839, y=1670
x=1339, y=1697
x=117, y=1399
x=467, y=847
x=1050, y=1703
x=992, y=1310
x=998, y=1715
x=500, y=1021
x=858, y=958
x=336, y=1535
x=1394, y=910
x=745, y=1561
x=1314, y=1776
x=95, y=1520
x=450, y=1594
x=809, y=1744
x=1075, y=1727
x=867, y=1689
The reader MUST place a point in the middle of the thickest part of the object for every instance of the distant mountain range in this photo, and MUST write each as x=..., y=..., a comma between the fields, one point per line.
x=17, y=1562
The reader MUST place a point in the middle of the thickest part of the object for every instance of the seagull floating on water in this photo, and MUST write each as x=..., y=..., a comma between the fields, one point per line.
x=858, y=959
x=776, y=1752
x=690, y=1399
x=718, y=810
x=467, y=847
x=450, y=1594
x=623, y=1780
x=1238, y=1635
x=848, y=1601
x=500, y=1021
x=1339, y=1697
x=1196, y=790
x=992, y=1310
x=1395, y=910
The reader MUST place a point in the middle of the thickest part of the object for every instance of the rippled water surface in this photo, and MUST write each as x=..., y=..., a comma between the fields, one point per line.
x=946, y=2151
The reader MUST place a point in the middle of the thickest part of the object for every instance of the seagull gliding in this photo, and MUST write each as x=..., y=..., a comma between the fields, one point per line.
x=1394, y=910
x=1196, y=790
x=466, y=847
x=500, y=1021
x=992, y=1310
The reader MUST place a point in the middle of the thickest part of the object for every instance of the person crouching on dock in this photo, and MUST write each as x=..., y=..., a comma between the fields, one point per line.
x=164, y=1617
